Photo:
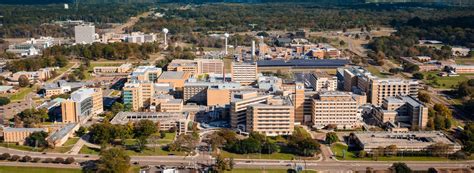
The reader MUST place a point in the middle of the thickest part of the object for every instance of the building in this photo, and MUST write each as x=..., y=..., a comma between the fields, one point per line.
x=140, y=37
x=4, y=89
x=460, y=69
x=406, y=111
x=145, y=73
x=166, y=103
x=84, y=34
x=60, y=136
x=31, y=47
x=271, y=83
x=83, y=104
x=165, y=120
x=298, y=102
x=239, y=105
x=405, y=141
x=175, y=78
x=322, y=81
x=275, y=117
x=197, y=66
x=124, y=68
x=18, y=135
x=138, y=94
x=460, y=51
x=383, y=88
x=184, y=65
x=42, y=74
x=196, y=91
x=244, y=73
x=62, y=86
x=336, y=108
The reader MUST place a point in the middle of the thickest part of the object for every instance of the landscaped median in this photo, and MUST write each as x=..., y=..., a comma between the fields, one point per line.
x=265, y=171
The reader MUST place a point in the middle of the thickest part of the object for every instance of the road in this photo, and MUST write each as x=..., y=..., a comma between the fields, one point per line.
x=120, y=29
x=76, y=65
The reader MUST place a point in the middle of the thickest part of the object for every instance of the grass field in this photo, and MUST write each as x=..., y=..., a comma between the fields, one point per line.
x=467, y=61
x=18, y=169
x=66, y=146
x=375, y=71
x=20, y=147
x=338, y=148
x=22, y=92
x=88, y=150
x=264, y=171
x=444, y=82
x=154, y=151
x=277, y=156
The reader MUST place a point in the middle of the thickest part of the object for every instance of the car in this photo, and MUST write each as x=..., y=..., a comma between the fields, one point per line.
x=248, y=161
x=170, y=154
x=135, y=163
x=43, y=153
x=86, y=156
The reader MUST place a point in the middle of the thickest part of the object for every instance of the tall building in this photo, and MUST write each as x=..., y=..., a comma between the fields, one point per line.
x=336, y=108
x=322, y=81
x=239, y=104
x=84, y=103
x=138, y=94
x=175, y=78
x=196, y=91
x=384, y=88
x=298, y=102
x=244, y=73
x=84, y=34
x=275, y=117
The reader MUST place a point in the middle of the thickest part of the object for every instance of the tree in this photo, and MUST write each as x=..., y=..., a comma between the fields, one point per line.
x=391, y=150
x=69, y=160
x=418, y=76
x=342, y=43
x=141, y=143
x=4, y=101
x=424, y=97
x=26, y=158
x=144, y=128
x=31, y=117
x=37, y=139
x=58, y=160
x=117, y=107
x=23, y=81
x=331, y=137
x=400, y=168
x=14, y=158
x=5, y=156
x=113, y=160
x=81, y=131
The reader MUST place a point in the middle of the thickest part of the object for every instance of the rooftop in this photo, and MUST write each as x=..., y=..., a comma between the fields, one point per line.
x=125, y=117
x=10, y=129
x=304, y=63
x=172, y=75
x=403, y=139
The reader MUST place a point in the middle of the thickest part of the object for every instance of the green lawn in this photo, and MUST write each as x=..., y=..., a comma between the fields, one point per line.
x=155, y=151
x=22, y=92
x=67, y=146
x=20, y=147
x=338, y=148
x=375, y=71
x=169, y=138
x=88, y=150
x=467, y=61
x=277, y=156
x=264, y=171
x=19, y=169
x=444, y=82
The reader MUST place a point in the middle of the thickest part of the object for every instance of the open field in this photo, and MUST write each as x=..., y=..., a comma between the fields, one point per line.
x=338, y=148
x=19, y=169
x=88, y=150
x=467, y=61
x=154, y=151
x=22, y=92
x=432, y=79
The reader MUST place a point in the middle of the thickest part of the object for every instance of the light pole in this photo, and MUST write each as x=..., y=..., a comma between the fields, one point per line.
x=226, y=35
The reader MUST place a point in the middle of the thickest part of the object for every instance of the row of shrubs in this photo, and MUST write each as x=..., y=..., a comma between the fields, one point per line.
x=14, y=158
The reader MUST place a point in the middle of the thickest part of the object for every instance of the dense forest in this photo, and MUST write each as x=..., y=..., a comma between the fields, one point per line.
x=285, y=16
x=38, y=20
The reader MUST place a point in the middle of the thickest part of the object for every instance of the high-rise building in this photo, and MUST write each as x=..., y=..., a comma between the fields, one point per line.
x=298, y=102
x=138, y=94
x=336, y=108
x=244, y=73
x=275, y=117
x=383, y=88
x=84, y=103
x=196, y=91
x=84, y=34
x=239, y=104
x=145, y=73
x=322, y=81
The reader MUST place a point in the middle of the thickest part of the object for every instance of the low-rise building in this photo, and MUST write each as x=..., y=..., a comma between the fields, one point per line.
x=405, y=141
x=175, y=78
x=460, y=69
x=60, y=136
x=19, y=135
x=83, y=104
x=166, y=103
x=197, y=91
x=239, y=105
x=164, y=120
x=124, y=68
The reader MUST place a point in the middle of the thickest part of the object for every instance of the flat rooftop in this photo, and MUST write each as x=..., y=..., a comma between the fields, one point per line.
x=172, y=75
x=162, y=117
x=304, y=63
x=418, y=139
